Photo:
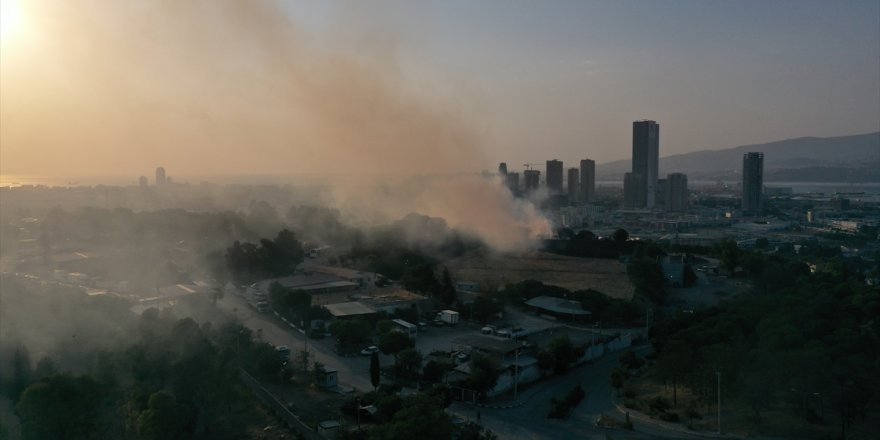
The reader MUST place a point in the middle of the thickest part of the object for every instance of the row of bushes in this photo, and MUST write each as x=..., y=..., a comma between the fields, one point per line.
x=561, y=408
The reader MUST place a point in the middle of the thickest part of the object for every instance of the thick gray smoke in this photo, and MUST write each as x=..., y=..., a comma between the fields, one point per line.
x=220, y=87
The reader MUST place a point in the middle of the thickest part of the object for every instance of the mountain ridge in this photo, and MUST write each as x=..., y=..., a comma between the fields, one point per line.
x=857, y=152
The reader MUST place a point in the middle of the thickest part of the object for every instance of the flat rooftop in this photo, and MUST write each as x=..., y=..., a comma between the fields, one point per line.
x=308, y=282
x=558, y=305
x=353, y=308
x=487, y=343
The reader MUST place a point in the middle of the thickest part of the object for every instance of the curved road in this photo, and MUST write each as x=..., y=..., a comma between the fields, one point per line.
x=529, y=421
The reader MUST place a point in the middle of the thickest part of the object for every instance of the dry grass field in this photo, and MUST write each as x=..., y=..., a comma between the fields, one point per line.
x=606, y=276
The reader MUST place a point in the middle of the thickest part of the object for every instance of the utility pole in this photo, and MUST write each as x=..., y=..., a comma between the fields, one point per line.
x=306, y=349
x=718, y=373
x=515, y=373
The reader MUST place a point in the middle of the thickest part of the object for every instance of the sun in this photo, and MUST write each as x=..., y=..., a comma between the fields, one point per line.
x=10, y=18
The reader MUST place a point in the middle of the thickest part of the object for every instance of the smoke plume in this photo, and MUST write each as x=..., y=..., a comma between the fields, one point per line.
x=220, y=87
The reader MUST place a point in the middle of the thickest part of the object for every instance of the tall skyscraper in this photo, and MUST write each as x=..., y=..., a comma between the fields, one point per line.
x=554, y=176
x=753, y=184
x=645, y=157
x=633, y=191
x=532, y=180
x=660, y=195
x=160, y=176
x=513, y=183
x=588, y=180
x=573, y=184
x=676, y=192
x=502, y=169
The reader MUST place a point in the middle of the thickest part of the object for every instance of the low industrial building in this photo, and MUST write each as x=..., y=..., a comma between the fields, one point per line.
x=558, y=307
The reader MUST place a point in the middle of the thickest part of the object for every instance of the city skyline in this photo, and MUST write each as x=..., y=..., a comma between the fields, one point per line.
x=502, y=82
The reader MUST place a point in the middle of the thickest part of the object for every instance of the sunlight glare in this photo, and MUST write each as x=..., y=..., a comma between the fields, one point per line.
x=10, y=18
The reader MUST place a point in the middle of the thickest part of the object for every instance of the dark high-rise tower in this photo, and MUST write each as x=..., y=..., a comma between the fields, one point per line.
x=633, y=191
x=532, y=178
x=502, y=169
x=676, y=192
x=554, y=176
x=573, y=184
x=645, y=156
x=513, y=183
x=160, y=176
x=588, y=180
x=753, y=184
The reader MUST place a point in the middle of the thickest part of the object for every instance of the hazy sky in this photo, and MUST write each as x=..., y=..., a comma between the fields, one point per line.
x=215, y=87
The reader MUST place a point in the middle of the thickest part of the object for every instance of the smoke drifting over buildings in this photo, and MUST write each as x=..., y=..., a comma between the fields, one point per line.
x=233, y=87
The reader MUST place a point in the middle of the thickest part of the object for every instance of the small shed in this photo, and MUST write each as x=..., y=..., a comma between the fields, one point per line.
x=328, y=378
x=328, y=426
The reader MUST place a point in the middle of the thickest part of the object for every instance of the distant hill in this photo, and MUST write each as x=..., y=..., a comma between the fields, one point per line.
x=853, y=158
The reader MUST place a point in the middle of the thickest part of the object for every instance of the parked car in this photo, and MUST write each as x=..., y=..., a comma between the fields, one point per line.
x=370, y=350
x=283, y=352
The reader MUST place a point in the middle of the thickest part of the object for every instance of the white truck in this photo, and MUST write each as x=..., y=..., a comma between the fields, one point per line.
x=450, y=317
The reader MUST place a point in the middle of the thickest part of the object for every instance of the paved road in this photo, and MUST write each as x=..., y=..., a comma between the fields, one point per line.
x=527, y=421
x=530, y=421
x=353, y=371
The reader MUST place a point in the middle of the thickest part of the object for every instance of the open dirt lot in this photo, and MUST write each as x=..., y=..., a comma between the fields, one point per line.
x=606, y=276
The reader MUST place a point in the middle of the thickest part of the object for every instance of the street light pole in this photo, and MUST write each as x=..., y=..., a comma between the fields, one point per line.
x=718, y=373
x=515, y=373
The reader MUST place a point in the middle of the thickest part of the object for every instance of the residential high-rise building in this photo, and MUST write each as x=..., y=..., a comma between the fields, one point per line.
x=554, y=176
x=502, y=169
x=633, y=191
x=676, y=192
x=160, y=176
x=143, y=182
x=660, y=195
x=513, y=182
x=753, y=184
x=532, y=180
x=645, y=157
x=588, y=180
x=573, y=184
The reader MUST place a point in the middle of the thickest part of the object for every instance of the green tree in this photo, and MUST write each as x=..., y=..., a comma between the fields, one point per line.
x=473, y=431
x=620, y=235
x=563, y=354
x=45, y=368
x=21, y=371
x=617, y=379
x=647, y=277
x=485, y=307
x=675, y=362
x=165, y=418
x=484, y=374
x=350, y=334
x=420, y=417
x=729, y=254
x=60, y=407
x=434, y=371
x=394, y=342
x=374, y=370
x=407, y=363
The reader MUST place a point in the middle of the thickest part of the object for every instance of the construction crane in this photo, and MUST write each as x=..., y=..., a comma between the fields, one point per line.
x=529, y=166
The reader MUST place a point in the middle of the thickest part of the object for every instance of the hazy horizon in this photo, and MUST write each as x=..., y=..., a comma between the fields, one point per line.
x=225, y=88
